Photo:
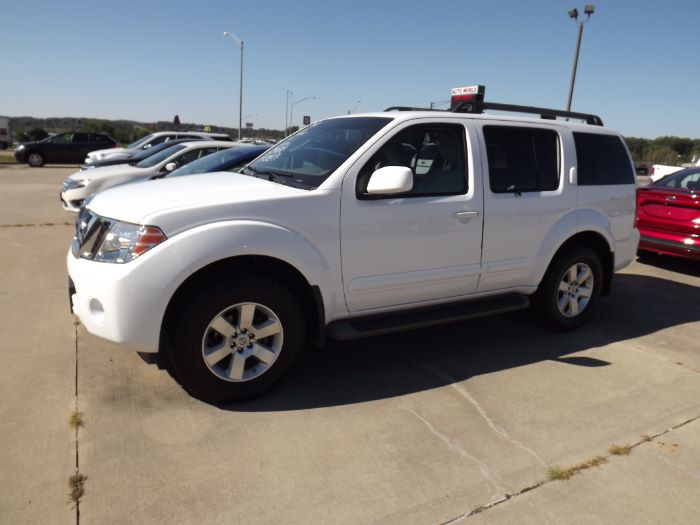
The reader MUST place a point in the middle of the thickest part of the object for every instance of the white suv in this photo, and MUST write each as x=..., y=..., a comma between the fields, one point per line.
x=355, y=226
x=149, y=141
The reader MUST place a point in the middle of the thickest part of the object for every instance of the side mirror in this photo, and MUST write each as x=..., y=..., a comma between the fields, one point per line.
x=170, y=166
x=389, y=180
x=147, y=146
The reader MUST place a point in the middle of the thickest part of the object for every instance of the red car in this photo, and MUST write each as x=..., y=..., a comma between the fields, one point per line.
x=668, y=215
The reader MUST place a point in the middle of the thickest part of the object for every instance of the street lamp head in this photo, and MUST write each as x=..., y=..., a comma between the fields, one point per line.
x=573, y=13
x=589, y=9
x=226, y=33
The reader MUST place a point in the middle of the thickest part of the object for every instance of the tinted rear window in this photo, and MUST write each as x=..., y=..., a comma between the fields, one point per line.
x=602, y=160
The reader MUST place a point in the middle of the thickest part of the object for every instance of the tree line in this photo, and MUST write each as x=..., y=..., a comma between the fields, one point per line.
x=664, y=150
x=124, y=131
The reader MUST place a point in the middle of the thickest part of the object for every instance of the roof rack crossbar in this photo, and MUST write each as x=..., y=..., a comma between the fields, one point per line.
x=469, y=106
x=547, y=113
x=409, y=108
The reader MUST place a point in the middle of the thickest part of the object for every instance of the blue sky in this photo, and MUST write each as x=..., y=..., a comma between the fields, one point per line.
x=639, y=67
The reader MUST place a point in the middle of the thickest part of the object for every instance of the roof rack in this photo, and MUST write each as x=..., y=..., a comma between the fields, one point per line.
x=470, y=106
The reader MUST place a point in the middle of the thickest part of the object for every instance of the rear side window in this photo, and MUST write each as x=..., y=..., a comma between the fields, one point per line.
x=80, y=137
x=602, y=160
x=522, y=159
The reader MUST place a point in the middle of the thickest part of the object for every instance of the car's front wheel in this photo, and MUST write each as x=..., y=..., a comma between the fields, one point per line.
x=236, y=340
x=570, y=289
x=35, y=159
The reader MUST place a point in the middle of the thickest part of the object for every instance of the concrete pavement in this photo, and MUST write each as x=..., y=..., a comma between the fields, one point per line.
x=423, y=427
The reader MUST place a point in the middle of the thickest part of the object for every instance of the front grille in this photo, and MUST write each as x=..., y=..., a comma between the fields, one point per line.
x=90, y=231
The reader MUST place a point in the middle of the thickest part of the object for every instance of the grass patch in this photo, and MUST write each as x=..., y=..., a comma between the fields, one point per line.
x=566, y=473
x=620, y=450
x=76, y=483
x=7, y=158
x=76, y=419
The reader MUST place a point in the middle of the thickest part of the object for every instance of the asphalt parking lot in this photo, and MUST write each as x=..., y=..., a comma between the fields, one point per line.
x=457, y=424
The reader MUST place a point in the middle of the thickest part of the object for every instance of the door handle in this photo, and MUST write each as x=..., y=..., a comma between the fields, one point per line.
x=465, y=214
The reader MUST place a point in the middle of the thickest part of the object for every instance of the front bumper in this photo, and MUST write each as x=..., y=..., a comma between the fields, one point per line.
x=125, y=303
x=70, y=204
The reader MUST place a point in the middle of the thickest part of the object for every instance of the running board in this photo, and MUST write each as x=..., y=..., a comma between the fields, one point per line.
x=368, y=326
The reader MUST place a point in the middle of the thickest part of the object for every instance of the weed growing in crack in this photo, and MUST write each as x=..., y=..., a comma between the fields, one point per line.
x=565, y=473
x=76, y=419
x=76, y=483
x=620, y=450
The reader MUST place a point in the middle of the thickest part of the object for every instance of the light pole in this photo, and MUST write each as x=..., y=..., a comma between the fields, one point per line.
x=286, y=112
x=573, y=14
x=240, y=101
x=291, y=108
x=354, y=107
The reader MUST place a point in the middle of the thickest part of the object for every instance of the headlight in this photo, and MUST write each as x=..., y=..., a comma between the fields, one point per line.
x=72, y=184
x=20, y=147
x=125, y=241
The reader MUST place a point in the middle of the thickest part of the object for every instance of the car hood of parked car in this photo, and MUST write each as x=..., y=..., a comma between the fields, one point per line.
x=169, y=203
x=105, y=172
x=110, y=152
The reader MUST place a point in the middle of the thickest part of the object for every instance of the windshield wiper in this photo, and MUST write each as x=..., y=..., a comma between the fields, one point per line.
x=271, y=172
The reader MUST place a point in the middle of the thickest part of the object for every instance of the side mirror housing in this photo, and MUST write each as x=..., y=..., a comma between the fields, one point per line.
x=170, y=166
x=389, y=180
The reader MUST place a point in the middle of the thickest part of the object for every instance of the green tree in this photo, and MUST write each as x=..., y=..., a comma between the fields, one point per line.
x=662, y=154
x=32, y=135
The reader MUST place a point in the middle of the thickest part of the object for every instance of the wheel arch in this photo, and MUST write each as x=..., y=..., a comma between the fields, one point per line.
x=598, y=243
x=271, y=268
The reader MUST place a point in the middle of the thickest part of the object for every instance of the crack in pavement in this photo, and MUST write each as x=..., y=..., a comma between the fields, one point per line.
x=77, y=427
x=37, y=225
x=500, y=431
x=507, y=497
x=487, y=472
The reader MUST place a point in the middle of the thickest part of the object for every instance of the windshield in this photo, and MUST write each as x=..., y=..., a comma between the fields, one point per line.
x=308, y=157
x=220, y=161
x=155, y=149
x=151, y=161
x=139, y=142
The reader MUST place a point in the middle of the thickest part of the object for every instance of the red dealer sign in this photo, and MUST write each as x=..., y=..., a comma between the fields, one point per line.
x=470, y=93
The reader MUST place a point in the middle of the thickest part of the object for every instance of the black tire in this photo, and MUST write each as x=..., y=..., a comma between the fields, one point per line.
x=193, y=337
x=35, y=159
x=547, y=301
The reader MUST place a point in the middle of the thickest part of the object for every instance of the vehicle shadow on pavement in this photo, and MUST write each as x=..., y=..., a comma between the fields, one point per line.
x=668, y=262
x=409, y=362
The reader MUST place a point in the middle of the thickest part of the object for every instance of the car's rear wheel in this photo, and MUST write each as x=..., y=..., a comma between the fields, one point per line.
x=236, y=340
x=570, y=290
x=35, y=159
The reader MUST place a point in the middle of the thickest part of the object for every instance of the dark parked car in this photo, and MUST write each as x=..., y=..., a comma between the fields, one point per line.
x=67, y=148
x=226, y=160
x=110, y=161
x=668, y=215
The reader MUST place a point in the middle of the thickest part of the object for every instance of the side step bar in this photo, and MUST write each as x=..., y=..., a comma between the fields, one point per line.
x=368, y=326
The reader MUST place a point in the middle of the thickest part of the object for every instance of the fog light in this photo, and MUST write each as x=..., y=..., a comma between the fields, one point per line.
x=97, y=311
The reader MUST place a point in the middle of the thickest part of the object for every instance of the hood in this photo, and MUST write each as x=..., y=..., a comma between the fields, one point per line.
x=106, y=153
x=194, y=198
x=104, y=172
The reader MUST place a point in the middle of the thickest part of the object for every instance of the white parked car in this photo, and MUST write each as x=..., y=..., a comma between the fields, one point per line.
x=149, y=141
x=81, y=184
x=336, y=232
